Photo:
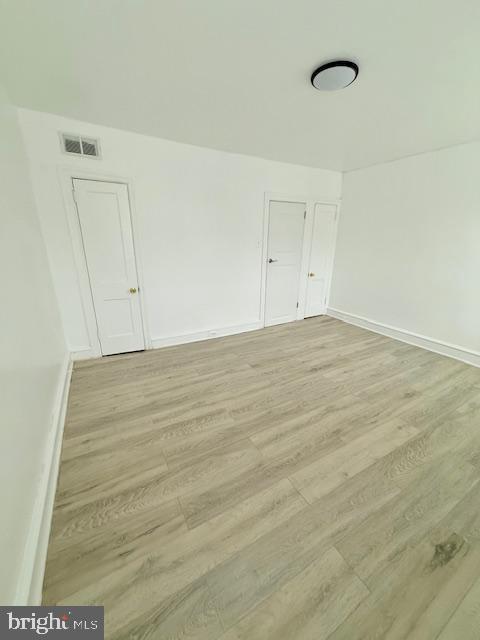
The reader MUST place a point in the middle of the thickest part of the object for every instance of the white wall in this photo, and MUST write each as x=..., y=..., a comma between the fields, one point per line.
x=199, y=217
x=32, y=362
x=408, y=245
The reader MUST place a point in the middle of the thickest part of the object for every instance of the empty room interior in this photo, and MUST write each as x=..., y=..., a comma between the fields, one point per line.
x=241, y=342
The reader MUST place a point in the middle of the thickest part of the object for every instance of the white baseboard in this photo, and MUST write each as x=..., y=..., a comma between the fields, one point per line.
x=431, y=344
x=158, y=343
x=84, y=354
x=29, y=588
x=170, y=341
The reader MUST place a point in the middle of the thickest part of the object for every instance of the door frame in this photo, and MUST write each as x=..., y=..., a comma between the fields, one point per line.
x=66, y=177
x=310, y=203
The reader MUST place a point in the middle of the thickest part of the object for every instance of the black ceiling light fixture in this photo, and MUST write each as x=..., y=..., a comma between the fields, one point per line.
x=334, y=75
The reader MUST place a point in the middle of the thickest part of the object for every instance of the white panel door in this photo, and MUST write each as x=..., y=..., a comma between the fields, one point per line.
x=104, y=214
x=284, y=261
x=321, y=257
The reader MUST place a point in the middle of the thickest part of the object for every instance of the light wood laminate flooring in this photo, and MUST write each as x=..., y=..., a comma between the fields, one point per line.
x=306, y=481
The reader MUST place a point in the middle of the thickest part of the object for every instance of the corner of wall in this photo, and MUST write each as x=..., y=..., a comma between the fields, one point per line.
x=425, y=342
x=30, y=581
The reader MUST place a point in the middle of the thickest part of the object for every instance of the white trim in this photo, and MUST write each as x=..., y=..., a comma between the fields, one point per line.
x=263, y=266
x=29, y=586
x=431, y=344
x=332, y=263
x=310, y=203
x=66, y=177
x=139, y=263
x=158, y=343
x=288, y=197
x=306, y=241
x=83, y=354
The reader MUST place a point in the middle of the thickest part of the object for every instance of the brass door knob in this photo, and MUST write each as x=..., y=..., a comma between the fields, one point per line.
x=133, y=290
x=311, y=275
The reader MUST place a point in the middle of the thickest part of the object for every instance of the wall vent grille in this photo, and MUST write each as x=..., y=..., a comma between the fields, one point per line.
x=80, y=146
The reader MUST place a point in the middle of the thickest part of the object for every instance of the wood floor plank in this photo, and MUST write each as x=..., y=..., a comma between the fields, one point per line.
x=165, y=569
x=223, y=463
x=189, y=613
x=324, y=475
x=416, y=595
x=248, y=577
x=308, y=607
x=406, y=520
x=131, y=530
x=308, y=480
x=465, y=622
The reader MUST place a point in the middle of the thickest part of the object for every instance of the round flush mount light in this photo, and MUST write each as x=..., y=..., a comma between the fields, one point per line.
x=334, y=75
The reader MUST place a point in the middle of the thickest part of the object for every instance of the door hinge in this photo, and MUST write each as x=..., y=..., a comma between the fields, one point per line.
x=297, y=305
x=304, y=215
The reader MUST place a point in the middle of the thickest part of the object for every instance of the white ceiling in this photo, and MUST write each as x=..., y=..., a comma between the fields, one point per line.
x=234, y=74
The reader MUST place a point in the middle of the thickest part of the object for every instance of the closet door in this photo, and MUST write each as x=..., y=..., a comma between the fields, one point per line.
x=285, y=244
x=104, y=215
x=321, y=258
